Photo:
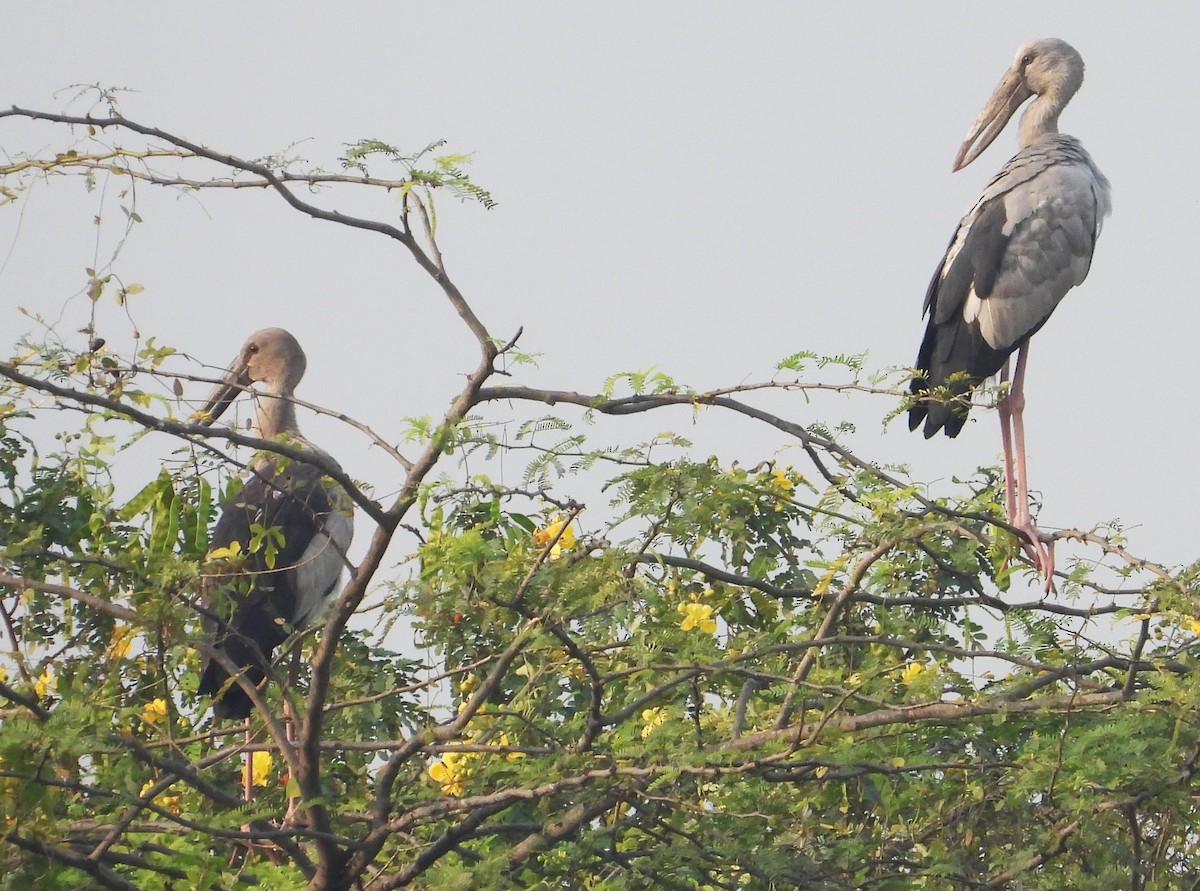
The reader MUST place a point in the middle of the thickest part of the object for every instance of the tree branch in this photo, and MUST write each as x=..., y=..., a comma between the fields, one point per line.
x=930, y=712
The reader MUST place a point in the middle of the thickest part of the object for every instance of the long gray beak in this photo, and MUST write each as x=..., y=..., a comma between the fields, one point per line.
x=1000, y=107
x=233, y=383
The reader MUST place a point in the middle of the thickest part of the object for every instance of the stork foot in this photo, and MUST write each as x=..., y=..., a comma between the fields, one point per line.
x=1040, y=552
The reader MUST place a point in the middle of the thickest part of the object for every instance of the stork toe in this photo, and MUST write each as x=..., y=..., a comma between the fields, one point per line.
x=1040, y=552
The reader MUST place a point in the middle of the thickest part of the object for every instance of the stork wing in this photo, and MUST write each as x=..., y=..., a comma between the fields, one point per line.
x=272, y=595
x=319, y=569
x=1027, y=241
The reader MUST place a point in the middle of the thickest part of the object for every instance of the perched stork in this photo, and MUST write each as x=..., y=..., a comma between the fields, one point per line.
x=278, y=582
x=1026, y=242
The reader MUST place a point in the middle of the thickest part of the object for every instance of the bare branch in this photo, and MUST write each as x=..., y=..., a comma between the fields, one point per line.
x=936, y=711
x=198, y=432
x=104, y=876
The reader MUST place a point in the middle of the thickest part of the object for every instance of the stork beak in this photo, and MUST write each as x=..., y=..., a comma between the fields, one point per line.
x=1004, y=101
x=233, y=383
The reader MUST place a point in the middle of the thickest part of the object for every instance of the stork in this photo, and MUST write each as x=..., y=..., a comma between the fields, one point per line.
x=277, y=581
x=1027, y=241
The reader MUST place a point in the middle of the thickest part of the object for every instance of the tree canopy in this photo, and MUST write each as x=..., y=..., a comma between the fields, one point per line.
x=560, y=661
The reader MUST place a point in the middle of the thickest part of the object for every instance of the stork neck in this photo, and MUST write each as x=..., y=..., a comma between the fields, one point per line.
x=276, y=414
x=1041, y=118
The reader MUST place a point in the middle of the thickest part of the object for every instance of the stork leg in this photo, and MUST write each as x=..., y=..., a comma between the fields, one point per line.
x=241, y=849
x=248, y=770
x=1016, y=496
x=289, y=717
x=1010, y=483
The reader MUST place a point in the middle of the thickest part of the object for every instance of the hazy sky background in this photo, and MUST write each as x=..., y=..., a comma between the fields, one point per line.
x=707, y=188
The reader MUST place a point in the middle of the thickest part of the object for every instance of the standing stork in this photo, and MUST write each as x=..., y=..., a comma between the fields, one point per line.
x=277, y=581
x=1026, y=242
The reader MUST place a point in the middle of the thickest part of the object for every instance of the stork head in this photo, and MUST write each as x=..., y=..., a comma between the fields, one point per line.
x=1050, y=68
x=270, y=356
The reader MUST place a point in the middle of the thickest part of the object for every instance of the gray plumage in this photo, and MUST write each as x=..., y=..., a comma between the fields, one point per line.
x=1026, y=242
x=253, y=607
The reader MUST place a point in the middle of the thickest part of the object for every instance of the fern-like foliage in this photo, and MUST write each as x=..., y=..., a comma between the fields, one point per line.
x=424, y=168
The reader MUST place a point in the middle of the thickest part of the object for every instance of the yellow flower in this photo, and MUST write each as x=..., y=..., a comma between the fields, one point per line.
x=47, y=683
x=911, y=670
x=558, y=529
x=697, y=615
x=509, y=756
x=122, y=640
x=652, y=719
x=1194, y=626
x=260, y=768
x=170, y=802
x=781, y=481
x=154, y=711
x=451, y=772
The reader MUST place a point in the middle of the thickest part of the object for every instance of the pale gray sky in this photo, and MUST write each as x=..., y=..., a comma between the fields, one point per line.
x=703, y=187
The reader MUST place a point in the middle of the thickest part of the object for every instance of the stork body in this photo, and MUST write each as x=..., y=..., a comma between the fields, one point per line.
x=1027, y=241
x=280, y=581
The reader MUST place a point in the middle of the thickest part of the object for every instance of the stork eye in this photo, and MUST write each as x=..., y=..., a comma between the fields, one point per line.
x=1026, y=59
x=252, y=349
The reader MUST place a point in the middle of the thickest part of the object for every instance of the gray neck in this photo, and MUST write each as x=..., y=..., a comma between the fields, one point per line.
x=276, y=414
x=1040, y=119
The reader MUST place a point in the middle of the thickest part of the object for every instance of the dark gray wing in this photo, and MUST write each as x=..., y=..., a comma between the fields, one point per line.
x=253, y=608
x=1028, y=240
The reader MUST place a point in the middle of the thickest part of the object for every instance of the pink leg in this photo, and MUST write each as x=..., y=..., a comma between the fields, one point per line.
x=1040, y=553
x=248, y=772
x=1010, y=484
x=290, y=816
x=241, y=849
